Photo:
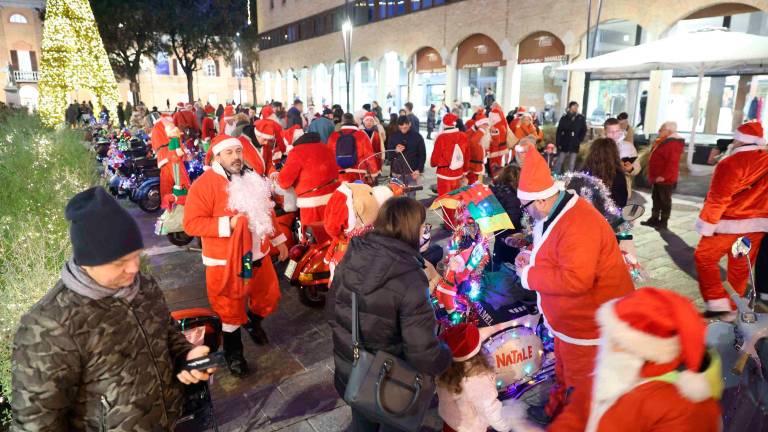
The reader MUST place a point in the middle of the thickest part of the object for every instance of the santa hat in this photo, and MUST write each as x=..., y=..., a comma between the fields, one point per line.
x=223, y=142
x=229, y=112
x=291, y=134
x=463, y=340
x=449, y=120
x=188, y=106
x=521, y=109
x=266, y=111
x=535, y=179
x=264, y=129
x=369, y=115
x=481, y=119
x=496, y=116
x=180, y=105
x=750, y=133
x=664, y=329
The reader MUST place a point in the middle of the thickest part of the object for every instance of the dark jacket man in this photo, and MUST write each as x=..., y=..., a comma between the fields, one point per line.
x=415, y=151
x=571, y=131
x=393, y=298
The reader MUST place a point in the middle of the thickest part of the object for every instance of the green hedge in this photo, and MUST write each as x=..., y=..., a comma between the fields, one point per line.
x=40, y=169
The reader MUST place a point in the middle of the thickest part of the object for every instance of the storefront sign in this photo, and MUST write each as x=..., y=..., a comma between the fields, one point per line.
x=428, y=60
x=541, y=47
x=479, y=51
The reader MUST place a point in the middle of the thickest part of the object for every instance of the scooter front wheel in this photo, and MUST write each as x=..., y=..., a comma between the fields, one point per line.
x=151, y=202
x=313, y=295
x=180, y=238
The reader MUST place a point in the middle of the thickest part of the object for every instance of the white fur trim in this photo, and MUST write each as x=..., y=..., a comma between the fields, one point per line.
x=279, y=240
x=311, y=202
x=262, y=135
x=719, y=305
x=524, y=277
x=440, y=176
x=694, y=386
x=471, y=354
x=218, y=169
x=211, y=262
x=649, y=347
x=748, y=139
x=351, y=217
x=499, y=153
x=546, y=193
x=229, y=328
x=225, y=144
x=162, y=162
x=746, y=148
x=350, y=127
x=483, y=121
x=732, y=226
x=224, y=227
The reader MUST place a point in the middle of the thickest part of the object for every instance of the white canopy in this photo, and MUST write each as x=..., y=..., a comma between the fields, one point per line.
x=699, y=51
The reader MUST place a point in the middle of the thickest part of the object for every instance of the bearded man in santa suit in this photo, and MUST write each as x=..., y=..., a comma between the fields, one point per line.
x=736, y=205
x=479, y=142
x=451, y=157
x=227, y=120
x=166, y=143
x=230, y=208
x=575, y=266
x=653, y=371
x=311, y=170
x=498, y=148
x=185, y=119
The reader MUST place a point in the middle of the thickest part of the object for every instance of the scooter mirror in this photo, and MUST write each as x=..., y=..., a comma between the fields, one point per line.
x=741, y=247
x=631, y=212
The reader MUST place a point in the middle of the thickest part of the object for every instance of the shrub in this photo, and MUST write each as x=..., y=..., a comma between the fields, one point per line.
x=40, y=169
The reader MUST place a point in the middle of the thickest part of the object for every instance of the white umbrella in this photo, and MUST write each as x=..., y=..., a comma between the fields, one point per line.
x=699, y=51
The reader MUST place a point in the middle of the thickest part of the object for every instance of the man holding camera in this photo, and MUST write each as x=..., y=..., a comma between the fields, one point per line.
x=100, y=351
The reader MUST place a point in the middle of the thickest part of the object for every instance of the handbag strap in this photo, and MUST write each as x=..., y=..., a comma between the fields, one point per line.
x=355, y=328
x=415, y=388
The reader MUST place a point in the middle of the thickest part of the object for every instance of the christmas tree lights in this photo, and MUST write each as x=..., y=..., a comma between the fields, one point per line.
x=73, y=59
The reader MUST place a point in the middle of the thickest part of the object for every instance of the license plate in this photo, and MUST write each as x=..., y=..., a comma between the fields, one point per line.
x=290, y=268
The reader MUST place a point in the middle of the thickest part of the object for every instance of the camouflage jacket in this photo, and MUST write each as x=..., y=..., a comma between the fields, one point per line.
x=90, y=365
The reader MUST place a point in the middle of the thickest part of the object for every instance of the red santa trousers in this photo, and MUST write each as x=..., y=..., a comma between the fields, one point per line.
x=708, y=254
x=570, y=397
x=443, y=187
x=263, y=292
x=167, y=180
x=309, y=215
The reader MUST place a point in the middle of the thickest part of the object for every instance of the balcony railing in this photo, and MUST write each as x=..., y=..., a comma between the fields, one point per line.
x=25, y=76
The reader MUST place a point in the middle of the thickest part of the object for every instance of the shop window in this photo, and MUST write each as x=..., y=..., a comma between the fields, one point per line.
x=209, y=68
x=162, y=66
x=18, y=19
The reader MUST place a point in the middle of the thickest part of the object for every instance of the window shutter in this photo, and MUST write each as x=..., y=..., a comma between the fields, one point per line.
x=175, y=67
x=14, y=60
x=33, y=60
x=216, y=63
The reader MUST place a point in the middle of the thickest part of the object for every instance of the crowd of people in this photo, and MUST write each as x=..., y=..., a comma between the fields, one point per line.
x=626, y=358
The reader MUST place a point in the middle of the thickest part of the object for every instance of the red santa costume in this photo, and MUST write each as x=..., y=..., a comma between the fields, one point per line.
x=377, y=144
x=498, y=147
x=278, y=148
x=575, y=266
x=366, y=163
x=311, y=170
x=451, y=157
x=230, y=254
x=226, y=122
x=479, y=141
x=208, y=130
x=165, y=140
x=185, y=118
x=648, y=375
x=736, y=205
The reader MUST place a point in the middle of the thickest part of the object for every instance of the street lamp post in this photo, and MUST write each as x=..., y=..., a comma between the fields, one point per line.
x=346, y=33
x=239, y=72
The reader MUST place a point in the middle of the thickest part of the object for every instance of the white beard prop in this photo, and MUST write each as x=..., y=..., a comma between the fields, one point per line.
x=251, y=194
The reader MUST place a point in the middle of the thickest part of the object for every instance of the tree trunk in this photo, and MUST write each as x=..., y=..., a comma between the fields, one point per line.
x=135, y=89
x=253, y=88
x=190, y=93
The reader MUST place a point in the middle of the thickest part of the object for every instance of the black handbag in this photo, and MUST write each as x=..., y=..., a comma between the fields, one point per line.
x=386, y=388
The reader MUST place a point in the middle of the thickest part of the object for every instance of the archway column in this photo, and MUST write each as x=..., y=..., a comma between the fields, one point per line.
x=451, y=78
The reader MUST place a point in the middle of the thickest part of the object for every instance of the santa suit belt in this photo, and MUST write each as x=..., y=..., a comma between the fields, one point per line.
x=310, y=202
x=498, y=153
x=444, y=177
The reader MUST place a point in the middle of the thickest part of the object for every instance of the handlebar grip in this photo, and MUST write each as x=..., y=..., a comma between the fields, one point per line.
x=413, y=188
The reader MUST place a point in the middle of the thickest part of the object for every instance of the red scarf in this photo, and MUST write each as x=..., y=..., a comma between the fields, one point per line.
x=239, y=267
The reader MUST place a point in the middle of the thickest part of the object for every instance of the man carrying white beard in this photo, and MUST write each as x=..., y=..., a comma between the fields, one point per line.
x=230, y=208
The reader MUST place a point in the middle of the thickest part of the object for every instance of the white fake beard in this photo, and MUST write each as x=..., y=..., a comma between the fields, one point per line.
x=229, y=128
x=485, y=141
x=616, y=372
x=251, y=194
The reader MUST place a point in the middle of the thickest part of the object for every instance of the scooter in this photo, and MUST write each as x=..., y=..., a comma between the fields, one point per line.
x=743, y=348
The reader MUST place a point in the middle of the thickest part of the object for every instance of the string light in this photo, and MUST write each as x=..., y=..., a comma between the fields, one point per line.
x=73, y=59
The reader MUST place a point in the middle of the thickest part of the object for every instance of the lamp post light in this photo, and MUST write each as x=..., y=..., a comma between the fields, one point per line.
x=239, y=73
x=346, y=33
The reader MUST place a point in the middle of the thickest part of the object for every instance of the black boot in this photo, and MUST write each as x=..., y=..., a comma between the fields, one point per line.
x=253, y=327
x=652, y=221
x=233, y=352
x=662, y=224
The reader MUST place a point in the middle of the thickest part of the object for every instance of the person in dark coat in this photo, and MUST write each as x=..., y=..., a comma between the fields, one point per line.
x=294, y=115
x=431, y=114
x=504, y=188
x=386, y=271
x=120, y=114
x=571, y=131
x=409, y=145
x=71, y=115
x=219, y=112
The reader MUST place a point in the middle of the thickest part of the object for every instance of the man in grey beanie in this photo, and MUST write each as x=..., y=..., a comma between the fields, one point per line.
x=100, y=351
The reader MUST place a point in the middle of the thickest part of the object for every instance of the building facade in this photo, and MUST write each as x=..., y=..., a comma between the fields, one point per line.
x=21, y=38
x=435, y=51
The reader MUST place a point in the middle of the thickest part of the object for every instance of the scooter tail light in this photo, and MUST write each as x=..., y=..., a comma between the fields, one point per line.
x=296, y=252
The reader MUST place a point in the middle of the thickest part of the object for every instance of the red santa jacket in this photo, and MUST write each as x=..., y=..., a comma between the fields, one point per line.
x=257, y=160
x=737, y=201
x=476, y=152
x=206, y=215
x=364, y=153
x=575, y=266
x=376, y=145
x=665, y=160
x=185, y=119
x=209, y=129
x=311, y=170
x=278, y=149
x=498, y=147
x=442, y=155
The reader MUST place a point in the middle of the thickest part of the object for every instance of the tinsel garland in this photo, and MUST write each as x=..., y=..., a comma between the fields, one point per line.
x=594, y=191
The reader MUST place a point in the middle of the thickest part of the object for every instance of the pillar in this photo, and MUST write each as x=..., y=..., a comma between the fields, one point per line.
x=658, y=97
x=714, y=101
x=451, y=79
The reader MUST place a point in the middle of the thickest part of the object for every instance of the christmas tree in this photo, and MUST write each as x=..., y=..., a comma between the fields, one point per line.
x=73, y=59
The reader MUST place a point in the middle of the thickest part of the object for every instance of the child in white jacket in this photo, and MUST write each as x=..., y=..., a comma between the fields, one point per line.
x=467, y=390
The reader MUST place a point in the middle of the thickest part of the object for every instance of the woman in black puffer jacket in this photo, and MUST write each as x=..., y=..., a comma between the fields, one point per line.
x=386, y=270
